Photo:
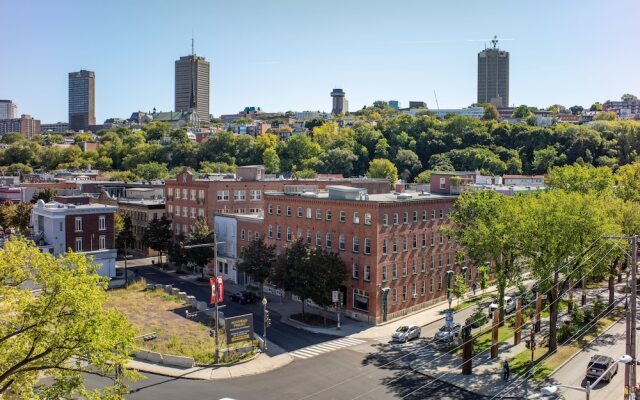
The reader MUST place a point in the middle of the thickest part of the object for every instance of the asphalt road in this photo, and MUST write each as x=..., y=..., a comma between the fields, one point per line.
x=611, y=344
x=368, y=371
x=285, y=336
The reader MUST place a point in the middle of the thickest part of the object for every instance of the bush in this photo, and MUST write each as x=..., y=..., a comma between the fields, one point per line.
x=578, y=315
x=566, y=331
x=598, y=306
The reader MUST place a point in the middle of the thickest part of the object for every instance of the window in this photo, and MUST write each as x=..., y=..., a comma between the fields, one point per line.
x=193, y=213
x=102, y=223
x=356, y=244
x=299, y=212
x=415, y=240
x=270, y=209
x=249, y=237
x=328, y=215
x=184, y=194
x=242, y=234
x=177, y=229
x=424, y=264
x=395, y=245
x=318, y=213
x=170, y=209
x=278, y=210
x=414, y=293
x=257, y=235
x=193, y=195
x=384, y=273
x=288, y=211
x=440, y=283
x=78, y=224
x=78, y=244
x=423, y=288
x=395, y=218
x=308, y=213
x=424, y=239
x=395, y=296
x=441, y=237
x=354, y=271
x=433, y=215
x=448, y=260
x=433, y=263
x=405, y=268
x=433, y=239
x=278, y=233
x=367, y=273
x=308, y=236
x=200, y=212
x=318, y=239
x=169, y=192
x=342, y=216
x=405, y=218
x=255, y=195
x=367, y=246
x=443, y=183
x=201, y=194
x=341, y=242
x=441, y=213
x=405, y=243
x=415, y=216
x=384, y=246
x=415, y=267
x=299, y=233
x=439, y=260
x=270, y=232
x=60, y=226
x=223, y=195
x=394, y=271
x=356, y=218
x=185, y=210
x=102, y=242
x=448, y=238
x=431, y=284
x=360, y=300
x=385, y=220
x=178, y=193
x=239, y=195
x=288, y=234
x=424, y=215
x=367, y=218
x=329, y=240
x=404, y=293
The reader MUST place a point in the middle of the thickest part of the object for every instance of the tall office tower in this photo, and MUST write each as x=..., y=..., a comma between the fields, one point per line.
x=493, y=76
x=340, y=104
x=8, y=109
x=192, y=85
x=82, y=100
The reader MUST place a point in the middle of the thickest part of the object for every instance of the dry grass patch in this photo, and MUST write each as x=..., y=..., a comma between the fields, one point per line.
x=162, y=313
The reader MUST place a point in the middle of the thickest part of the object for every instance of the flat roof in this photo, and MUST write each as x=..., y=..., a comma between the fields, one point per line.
x=373, y=198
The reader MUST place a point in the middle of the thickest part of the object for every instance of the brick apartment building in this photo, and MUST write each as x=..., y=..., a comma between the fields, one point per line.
x=392, y=244
x=73, y=223
x=189, y=198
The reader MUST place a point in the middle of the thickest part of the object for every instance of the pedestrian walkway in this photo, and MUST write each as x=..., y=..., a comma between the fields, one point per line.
x=315, y=350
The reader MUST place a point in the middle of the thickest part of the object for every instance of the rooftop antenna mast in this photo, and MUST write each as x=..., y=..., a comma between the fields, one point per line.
x=436, y=96
x=494, y=41
x=193, y=51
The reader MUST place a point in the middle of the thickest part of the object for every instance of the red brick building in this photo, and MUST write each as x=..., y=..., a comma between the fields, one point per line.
x=189, y=198
x=392, y=244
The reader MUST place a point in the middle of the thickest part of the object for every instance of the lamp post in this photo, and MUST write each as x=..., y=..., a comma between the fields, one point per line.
x=267, y=322
x=550, y=390
x=449, y=275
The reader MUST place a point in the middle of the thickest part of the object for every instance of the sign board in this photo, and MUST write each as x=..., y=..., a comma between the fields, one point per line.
x=212, y=282
x=220, y=289
x=448, y=318
x=239, y=328
x=335, y=296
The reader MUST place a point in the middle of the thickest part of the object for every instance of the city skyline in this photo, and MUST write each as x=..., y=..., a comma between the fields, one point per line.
x=292, y=68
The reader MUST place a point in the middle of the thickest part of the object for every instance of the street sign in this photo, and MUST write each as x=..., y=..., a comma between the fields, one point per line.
x=335, y=296
x=212, y=282
x=448, y=318
x=220, y=289
x=239, y=329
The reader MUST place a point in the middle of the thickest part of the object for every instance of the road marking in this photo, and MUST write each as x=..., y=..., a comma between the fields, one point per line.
x=321, y=348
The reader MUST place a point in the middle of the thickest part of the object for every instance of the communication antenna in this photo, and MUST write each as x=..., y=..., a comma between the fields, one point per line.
x=193, y=51
x=436, y=96
x=494, y=41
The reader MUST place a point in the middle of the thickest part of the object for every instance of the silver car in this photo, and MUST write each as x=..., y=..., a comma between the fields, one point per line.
x=405, y=333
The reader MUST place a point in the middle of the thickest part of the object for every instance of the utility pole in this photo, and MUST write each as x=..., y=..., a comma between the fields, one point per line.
x=631, y=327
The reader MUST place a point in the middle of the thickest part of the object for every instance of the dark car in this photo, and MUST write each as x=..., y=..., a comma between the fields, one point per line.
x=243, y=297
x=599, y=364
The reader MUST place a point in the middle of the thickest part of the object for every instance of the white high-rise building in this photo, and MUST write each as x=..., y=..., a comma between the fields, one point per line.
x=8, y=109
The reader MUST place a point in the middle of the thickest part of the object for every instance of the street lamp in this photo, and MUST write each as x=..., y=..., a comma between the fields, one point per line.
x=267, y=322
x=449, y=275
x=550, y=390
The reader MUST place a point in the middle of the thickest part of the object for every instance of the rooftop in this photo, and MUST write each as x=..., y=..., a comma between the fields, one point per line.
x=393, y=197
x=56, y=207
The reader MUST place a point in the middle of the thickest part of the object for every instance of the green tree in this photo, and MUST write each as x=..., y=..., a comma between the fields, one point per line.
x=522, y=112
x=216, y=167
x=307, y=173
x=576, y=110
x=546, y=158
x=47, y=195
x=325, y=274
x=123, y=232
x=124, y=176
x=285, y=273
x=423, y=177
x=628, y=182
x=483, y=273
x=53, y=138
x=152, y=171
x=408, y=163
x=629, y=97
x=605, y=116
x=271, y=160
x=157, y=236
x=63, y=332
x=581, y=178
x=459, y=287
x=83, y=137
x=337, y=161
x=258, y=259
x=200, y=256
x=490, y=112
x=18, y=169
x=596, y=107
x=12, y=137
x=383, y=168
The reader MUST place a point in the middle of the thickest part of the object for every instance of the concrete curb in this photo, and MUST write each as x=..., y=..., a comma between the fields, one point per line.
x=296, y=324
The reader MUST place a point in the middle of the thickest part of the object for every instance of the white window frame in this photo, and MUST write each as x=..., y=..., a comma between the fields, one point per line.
x=78, y=224
x=102, y=223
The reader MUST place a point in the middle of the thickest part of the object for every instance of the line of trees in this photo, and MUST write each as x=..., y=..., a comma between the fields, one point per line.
x=550, y=234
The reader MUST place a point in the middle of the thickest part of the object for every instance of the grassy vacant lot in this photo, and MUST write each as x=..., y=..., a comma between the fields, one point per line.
x=157, y=311
x=545, y=364
x=468, y=303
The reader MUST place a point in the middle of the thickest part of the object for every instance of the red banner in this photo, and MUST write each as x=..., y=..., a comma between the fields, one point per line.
x=212, y=281
x=220, y=289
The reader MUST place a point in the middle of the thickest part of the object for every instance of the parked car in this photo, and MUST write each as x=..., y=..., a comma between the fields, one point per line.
x=599, y=364
x=477, y=319
x=243, y=297
x=509, y=305
x=446, y=334
x=405, y=333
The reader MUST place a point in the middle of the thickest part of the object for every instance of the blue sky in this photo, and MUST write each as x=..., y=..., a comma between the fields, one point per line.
x=289, y=54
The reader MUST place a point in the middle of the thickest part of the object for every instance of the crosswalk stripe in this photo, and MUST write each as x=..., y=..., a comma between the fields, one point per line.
x=326, y=347
x=310, y=353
